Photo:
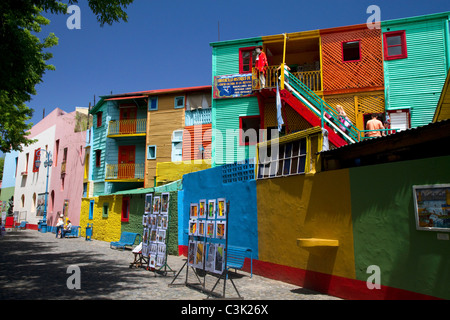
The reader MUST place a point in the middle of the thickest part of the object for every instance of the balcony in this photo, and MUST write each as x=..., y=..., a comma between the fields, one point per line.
x=127, y=128
x=312, y=79
x=197, y=117
x=128, y=172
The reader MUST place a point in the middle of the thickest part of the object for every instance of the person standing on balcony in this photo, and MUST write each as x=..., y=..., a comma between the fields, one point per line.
x=261, y=64
x=374, y=124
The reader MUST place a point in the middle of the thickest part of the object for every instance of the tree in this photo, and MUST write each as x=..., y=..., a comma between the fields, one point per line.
x=24, y=57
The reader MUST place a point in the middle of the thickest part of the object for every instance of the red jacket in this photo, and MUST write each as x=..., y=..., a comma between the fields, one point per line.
x=261, y=62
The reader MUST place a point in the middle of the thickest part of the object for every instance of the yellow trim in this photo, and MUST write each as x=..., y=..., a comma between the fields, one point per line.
x=312, y=242
x=321, y=63
x=126, y=135
x=124, y=180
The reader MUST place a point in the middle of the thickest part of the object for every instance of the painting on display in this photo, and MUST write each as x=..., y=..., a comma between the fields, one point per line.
x=191, y=252
x=200, y=254
x=156, y=204
x=211, y=209
x=202, y=209
x=148, y=203
x=221, y=229
x=40, y=204
x=152, y=261
x=432, y=207
x=201, y=228
x=210, y=229
x=219, y=259
x=193, y=228
x=193, y=213
x=210, y=257
x=165, y=203
x=221, y=209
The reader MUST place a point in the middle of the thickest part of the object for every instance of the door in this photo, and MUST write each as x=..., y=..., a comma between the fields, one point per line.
x=126, y=162
x=128, y=117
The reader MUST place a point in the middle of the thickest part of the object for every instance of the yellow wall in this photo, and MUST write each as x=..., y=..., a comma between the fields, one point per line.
x=104, y=229
x=173, y=171
x=307, y=206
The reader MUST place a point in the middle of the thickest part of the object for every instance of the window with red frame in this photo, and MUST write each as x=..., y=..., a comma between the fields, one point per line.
x=247, y=59
x=98, y=158
x=249, y=130
x=395, y=45
x=351, y=51
x=125, y=209
x=99, y=119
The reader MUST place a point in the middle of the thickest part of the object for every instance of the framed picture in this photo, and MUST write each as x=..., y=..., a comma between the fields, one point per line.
x=145, y=250
x=193, y=227
x=200, y=254
x=41, y=204
x=161, y=236
x=165, y=203
x=145, y=220
x=221, y=227
x=201, y=228
x=145, y=235
x=161, y=249
x=193, y=213
x=219, y=259
x=221, y=208
x=191, y=252
x=153, y=235
x=148, y=203
x=210, y=229
x=152, y=261
x=202, y=209
x=156, y=205
x=153, y=248
x=432, y=207
x=210, y=257
x=153, y=221
x=164, y=221
x=211, y=209
x=160, y=259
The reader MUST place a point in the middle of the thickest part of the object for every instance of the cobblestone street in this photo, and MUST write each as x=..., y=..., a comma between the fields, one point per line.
x=33, y=266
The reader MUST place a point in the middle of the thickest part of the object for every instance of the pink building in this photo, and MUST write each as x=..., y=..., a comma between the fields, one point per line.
x=62, y=135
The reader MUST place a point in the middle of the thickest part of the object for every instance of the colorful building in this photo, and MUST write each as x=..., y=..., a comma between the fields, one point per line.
x=63, y=136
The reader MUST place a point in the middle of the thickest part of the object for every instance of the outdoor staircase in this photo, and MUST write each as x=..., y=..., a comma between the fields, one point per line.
x=317, y=112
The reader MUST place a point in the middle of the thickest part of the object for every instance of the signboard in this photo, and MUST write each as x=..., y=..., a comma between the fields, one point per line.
x=432, y=207
x=233, y=86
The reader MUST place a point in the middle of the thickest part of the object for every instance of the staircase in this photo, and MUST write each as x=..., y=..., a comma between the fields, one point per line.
x=317, y=112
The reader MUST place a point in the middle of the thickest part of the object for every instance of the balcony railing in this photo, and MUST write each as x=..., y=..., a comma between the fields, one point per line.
x=197, y=117
x=312, y=79
x=128, y=171
x=127, y=127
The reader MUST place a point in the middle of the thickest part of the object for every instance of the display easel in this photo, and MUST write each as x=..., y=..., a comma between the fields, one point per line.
x=223, y=276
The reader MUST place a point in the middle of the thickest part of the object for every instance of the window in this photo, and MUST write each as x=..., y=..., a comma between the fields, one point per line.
x=105, y=210
x=400, y=119
x=395, y=45
x=179, y=102
x=55, y=161
x=99, y=119
x=37, y=156
x=247, y=59
x=125, y=217
x=151, y=152
x=17, y=163
x=91, y=209
x=249, y=130
x=152, y=103
x=25, y=172
x=289, y=160
x=98, y=156
x=177, y=145
x=351, y=51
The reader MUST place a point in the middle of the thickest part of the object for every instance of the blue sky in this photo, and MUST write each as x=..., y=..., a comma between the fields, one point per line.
x=165, y=44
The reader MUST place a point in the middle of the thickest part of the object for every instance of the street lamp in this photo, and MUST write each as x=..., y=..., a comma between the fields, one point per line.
x=47, y=164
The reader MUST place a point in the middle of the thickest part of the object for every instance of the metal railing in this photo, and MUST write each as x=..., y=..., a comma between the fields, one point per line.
x=127, y=171
x=197, y=117
x=311, y=79
x=127, y=127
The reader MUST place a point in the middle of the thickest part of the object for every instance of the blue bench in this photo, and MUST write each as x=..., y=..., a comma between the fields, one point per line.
x=22, y=225
x=126, y=239
x=236, y=257
x=73, y=233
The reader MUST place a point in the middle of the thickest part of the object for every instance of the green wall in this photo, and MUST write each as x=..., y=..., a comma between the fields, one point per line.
x=416, y=82
x=384, y=228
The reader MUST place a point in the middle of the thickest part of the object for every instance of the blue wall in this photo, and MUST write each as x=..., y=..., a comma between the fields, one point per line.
x=242, y=220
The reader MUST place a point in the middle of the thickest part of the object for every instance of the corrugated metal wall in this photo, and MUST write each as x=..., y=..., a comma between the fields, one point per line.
x=416, y=82
x=193, y=137
x=226, y=112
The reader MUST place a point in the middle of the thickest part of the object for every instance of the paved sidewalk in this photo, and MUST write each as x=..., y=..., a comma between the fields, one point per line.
x=33, y=266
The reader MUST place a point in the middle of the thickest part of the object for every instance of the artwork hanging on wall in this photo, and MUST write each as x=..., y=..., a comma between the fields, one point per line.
x=152, y=261
x=201, y=228
x=145, y=220
x=210, y=257
x=210, y=229
x=211, y=209
x=200, y=254
x=193, y=227
x=191, y=252
x=219, y=259
x=148, y=203
x=432, y=207
x=202, y=209
x=222, y=208
x=165, y=203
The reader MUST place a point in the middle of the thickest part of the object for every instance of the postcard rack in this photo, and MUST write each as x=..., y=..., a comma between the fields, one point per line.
x=208, y=247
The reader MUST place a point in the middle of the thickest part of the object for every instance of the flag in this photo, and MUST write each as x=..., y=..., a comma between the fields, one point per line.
x=279, y=116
